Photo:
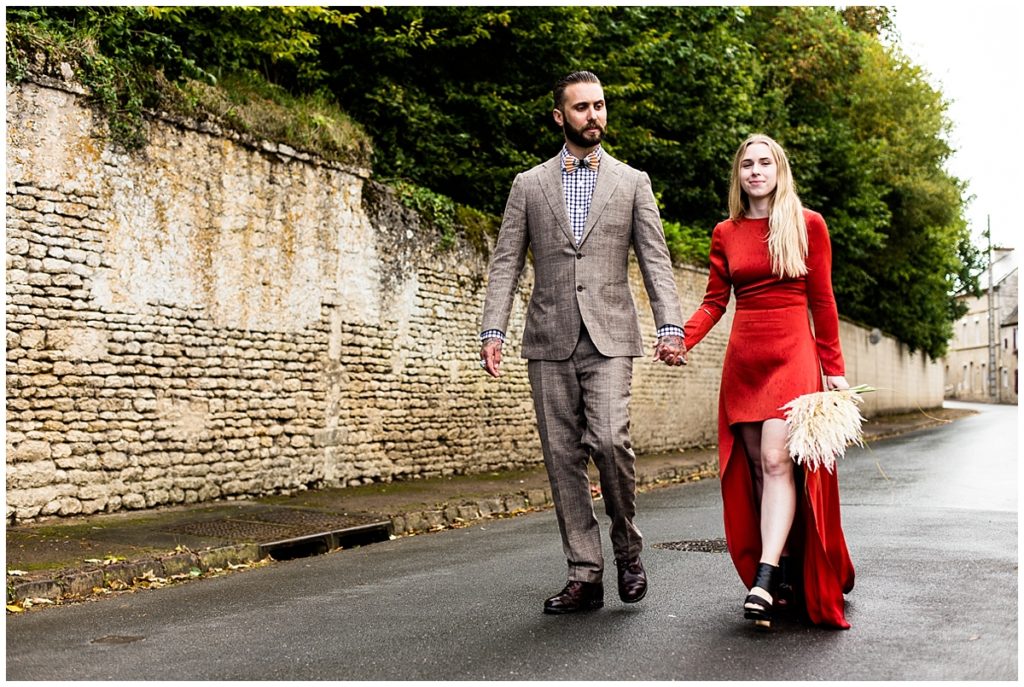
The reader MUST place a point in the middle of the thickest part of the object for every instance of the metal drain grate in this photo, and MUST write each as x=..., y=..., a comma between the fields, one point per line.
x=312, y=519
x=272, y=525
x=237, y=529
x=696, y=546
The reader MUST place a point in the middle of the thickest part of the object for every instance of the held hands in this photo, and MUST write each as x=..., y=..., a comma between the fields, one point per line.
x=490, y=356
x=836, y=382
x=671, y=350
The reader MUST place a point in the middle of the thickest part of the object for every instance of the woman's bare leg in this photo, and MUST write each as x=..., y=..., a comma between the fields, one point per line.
x=774, y=487
x=778, y=495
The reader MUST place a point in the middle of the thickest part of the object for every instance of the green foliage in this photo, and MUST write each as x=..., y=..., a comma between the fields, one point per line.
x=459, y=98
x=689, y=245
x=867, y=138
x=137, y=58
x=279, y=42
x=439, y=210
x=99, y=44
x=477, y=227
x=246, y=102
x=447, y=216
x=678, y=84
x=454, y=97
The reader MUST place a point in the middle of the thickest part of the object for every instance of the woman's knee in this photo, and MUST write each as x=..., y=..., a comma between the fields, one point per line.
x=776, y=463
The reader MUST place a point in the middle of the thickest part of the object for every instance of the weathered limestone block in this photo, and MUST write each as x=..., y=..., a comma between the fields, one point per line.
x=29, y=450
x=94, y=506
x=133, y=501
x=69, y=505
x=29, y=475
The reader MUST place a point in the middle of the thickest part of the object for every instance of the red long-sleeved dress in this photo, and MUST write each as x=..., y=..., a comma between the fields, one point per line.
x=772, y=357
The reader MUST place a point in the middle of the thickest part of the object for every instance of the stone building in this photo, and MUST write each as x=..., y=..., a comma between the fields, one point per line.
x=982, y=361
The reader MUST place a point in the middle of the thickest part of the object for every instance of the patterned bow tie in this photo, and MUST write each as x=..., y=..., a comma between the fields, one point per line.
x=571, y=164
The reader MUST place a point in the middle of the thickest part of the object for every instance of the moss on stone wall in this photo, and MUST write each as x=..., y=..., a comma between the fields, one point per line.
x=126, y=93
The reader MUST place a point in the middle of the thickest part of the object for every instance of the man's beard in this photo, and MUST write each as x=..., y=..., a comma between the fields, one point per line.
x=576, y=137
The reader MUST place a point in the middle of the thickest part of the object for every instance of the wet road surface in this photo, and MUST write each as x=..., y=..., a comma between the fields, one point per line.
x=930, y=518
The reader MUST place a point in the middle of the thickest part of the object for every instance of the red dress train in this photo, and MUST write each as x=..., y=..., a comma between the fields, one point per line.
x=772, y=357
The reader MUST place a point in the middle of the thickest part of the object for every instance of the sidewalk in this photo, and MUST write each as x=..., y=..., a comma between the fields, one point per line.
x=71, y=559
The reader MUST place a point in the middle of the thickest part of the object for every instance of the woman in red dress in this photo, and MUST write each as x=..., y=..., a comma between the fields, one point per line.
x=776, y=256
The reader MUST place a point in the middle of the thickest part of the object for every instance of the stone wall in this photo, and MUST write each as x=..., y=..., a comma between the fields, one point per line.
x=217, y=318
x=903, y=381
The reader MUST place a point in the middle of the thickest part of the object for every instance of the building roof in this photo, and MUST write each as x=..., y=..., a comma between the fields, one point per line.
x=1010, y=319
x=1004, y=263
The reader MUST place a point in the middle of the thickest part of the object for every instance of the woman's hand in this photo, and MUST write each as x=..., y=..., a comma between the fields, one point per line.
x=836, y=382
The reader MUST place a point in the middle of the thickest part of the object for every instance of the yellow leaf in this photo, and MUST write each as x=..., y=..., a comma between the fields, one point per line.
x=15, y=609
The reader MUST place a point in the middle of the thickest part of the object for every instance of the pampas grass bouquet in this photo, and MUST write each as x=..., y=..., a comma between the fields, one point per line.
x=820, y=426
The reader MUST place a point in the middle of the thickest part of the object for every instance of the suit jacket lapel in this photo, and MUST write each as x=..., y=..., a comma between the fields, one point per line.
x=607, y=180
x=555, y=195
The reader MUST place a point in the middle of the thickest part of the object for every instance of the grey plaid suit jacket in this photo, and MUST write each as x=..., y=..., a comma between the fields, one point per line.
x=588, y=284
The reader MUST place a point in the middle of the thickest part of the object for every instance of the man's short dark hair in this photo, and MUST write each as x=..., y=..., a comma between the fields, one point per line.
x=570, y=79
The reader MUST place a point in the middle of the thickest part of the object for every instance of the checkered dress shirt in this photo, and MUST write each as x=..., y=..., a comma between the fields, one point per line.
x=579, y=191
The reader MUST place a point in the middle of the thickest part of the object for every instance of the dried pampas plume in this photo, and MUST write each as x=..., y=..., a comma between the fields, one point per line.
x=821, y=425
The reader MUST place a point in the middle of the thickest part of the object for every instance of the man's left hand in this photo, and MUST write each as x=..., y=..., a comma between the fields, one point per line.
x=671, y=350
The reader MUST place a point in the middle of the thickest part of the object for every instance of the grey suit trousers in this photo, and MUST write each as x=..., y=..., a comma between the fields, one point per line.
x=582, y=407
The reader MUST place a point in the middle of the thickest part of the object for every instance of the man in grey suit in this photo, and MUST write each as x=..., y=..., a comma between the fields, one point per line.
x=579, y=213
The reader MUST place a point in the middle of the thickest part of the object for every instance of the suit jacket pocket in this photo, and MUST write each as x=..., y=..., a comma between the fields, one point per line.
x=619, y=312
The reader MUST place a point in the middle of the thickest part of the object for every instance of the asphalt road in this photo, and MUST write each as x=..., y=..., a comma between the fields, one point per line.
x=930, y=518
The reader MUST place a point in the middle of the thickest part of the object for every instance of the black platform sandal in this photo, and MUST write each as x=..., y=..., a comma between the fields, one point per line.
x=756, y=607
x=786, y=590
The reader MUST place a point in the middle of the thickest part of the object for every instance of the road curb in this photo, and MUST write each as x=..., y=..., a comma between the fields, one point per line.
x=117, y=574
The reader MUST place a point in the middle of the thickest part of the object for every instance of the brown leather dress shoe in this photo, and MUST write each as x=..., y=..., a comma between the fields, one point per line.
x=577, y=596
x=632, y=580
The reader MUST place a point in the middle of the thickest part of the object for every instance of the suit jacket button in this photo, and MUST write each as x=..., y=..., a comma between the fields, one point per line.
x=579, y=288
x=579, y=256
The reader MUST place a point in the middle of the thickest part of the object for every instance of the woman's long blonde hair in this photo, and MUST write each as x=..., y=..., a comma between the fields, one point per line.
x=787, y=231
